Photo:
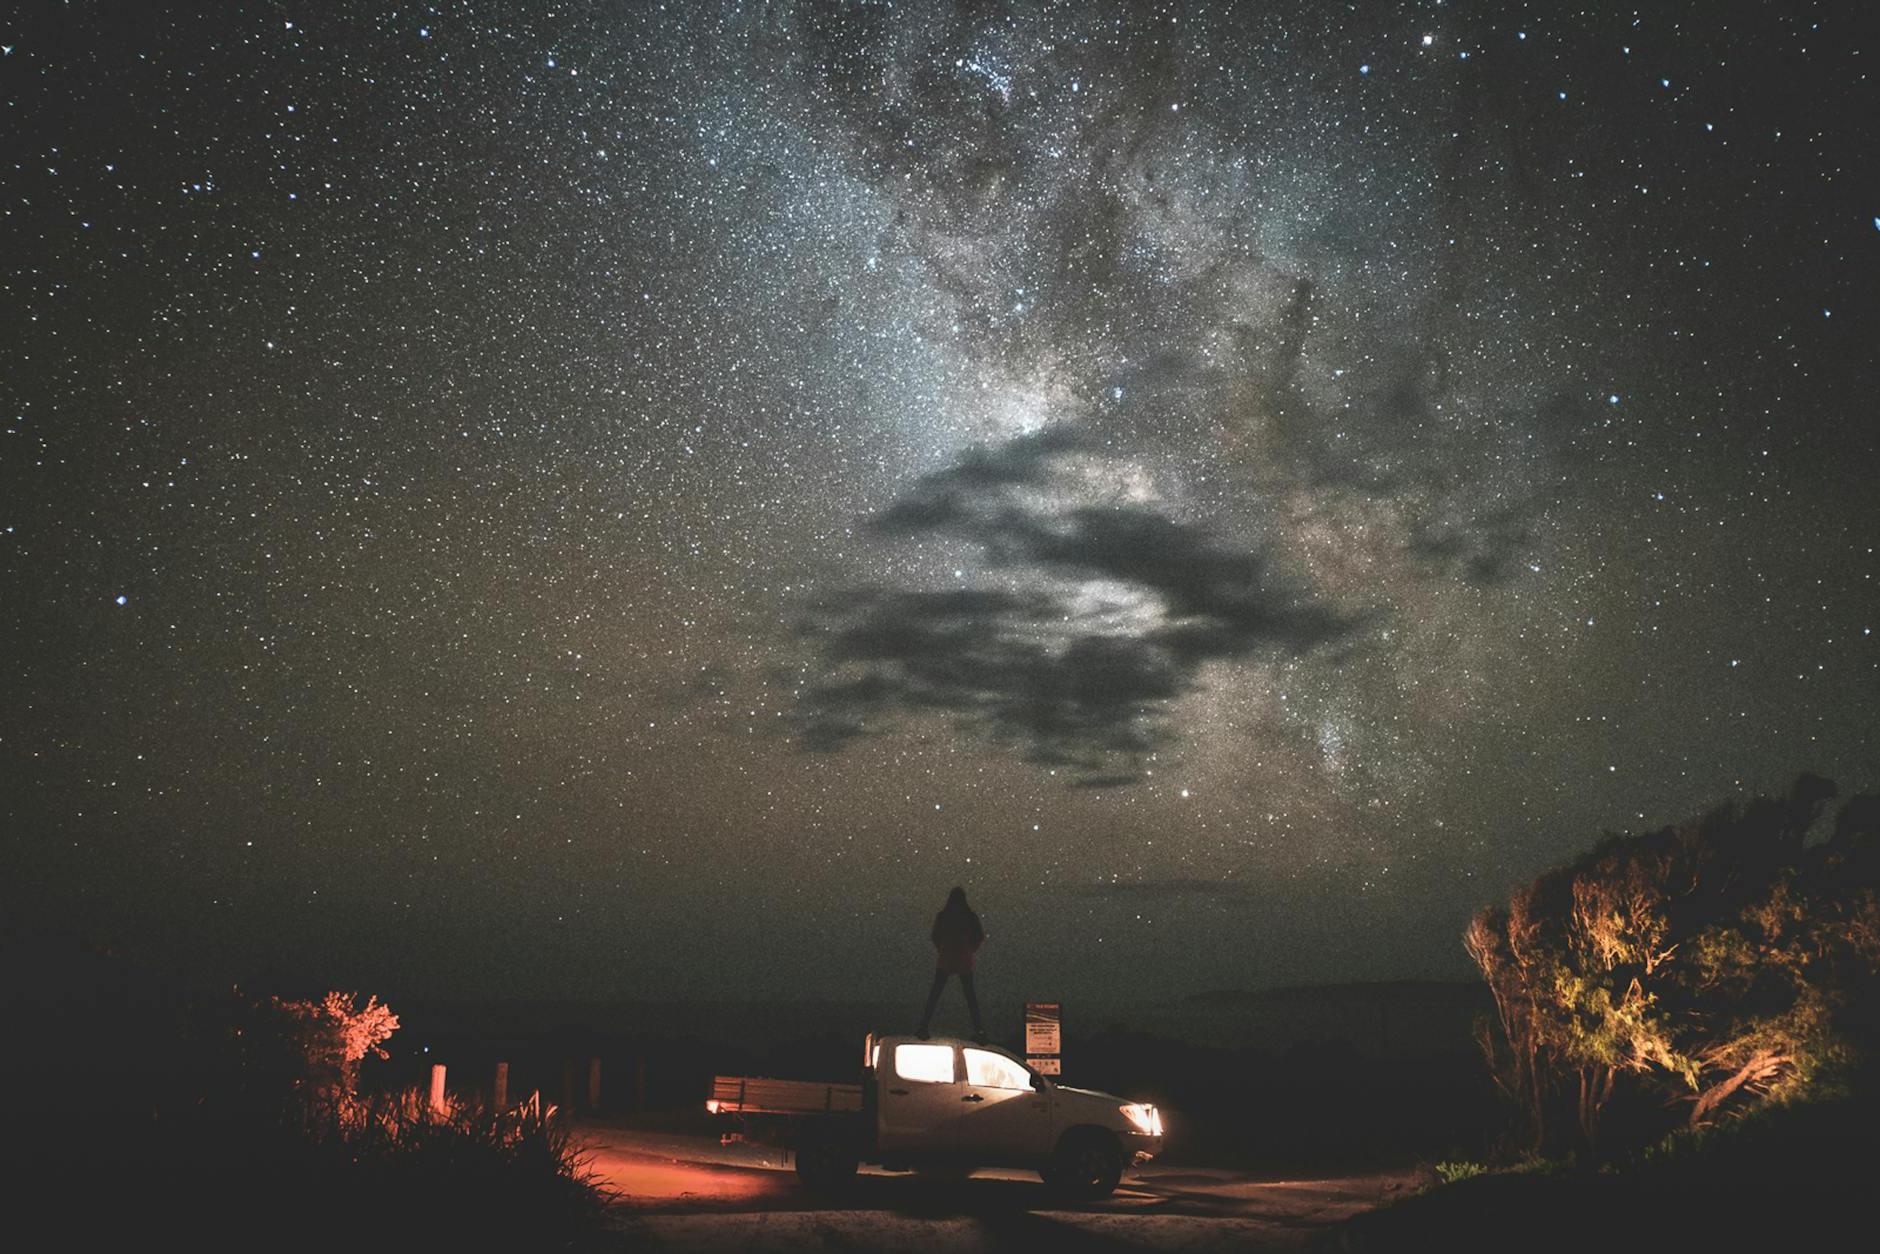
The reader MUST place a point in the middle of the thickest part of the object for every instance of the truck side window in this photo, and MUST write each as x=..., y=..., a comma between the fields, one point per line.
x=928, y=1064
x=994, y=1071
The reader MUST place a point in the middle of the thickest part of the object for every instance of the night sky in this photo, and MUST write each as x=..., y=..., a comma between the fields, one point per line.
x=626, y=500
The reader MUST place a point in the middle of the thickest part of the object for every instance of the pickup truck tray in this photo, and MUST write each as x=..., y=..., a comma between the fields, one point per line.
x=755, y=1095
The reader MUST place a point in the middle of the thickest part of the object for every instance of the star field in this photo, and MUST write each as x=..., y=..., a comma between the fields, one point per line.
x=629, y=499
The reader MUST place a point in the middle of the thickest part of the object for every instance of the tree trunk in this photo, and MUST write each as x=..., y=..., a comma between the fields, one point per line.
x=1761, y=1067
x=1595, y=1091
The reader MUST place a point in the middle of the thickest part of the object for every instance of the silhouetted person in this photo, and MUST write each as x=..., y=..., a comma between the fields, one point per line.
x=957, y=936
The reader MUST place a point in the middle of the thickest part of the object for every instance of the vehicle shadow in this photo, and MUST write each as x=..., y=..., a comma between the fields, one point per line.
x=936, y=1198
x=983, y=1215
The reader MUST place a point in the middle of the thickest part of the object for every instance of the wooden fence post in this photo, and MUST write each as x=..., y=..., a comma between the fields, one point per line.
x=437, y=1088
x=499, y=1098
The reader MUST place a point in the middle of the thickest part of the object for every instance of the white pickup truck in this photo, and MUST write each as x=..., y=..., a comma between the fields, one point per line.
x=943, y=1106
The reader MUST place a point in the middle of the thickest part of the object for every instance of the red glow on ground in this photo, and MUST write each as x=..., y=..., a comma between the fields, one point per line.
x=648, y=1181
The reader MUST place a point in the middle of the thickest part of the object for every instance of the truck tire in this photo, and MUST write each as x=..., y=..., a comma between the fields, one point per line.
x=825, y=1166
x=1087, y=1164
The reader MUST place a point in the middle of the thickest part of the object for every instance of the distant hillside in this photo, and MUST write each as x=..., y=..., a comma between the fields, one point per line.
x=1470, y=992
x=1411, y=1017
x=1402, y=1017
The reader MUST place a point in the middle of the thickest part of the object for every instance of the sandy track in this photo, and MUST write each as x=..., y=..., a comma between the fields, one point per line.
x=685, y=1193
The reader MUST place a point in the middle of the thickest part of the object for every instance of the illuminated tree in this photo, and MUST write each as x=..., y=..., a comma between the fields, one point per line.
x=334, y=1035
x=1684, y=975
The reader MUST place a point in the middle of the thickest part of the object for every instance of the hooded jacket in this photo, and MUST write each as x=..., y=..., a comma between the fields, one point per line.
x=957, y=935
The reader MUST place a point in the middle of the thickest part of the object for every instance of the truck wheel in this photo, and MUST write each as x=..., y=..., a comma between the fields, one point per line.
x=1088, y=1164
x=825, y=1166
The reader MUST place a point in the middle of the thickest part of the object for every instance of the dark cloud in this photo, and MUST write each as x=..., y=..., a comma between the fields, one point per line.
x=1071, y=686
x=969, y=655
x=948, y=497
x=1220, y=601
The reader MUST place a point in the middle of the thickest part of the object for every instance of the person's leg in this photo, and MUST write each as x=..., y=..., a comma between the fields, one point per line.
x=972, y=1004
x=933, y=999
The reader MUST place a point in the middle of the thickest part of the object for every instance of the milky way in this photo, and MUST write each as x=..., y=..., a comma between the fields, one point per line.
x=629, y=499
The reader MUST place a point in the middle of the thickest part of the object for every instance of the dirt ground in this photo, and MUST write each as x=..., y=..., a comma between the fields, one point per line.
x=687, y=1193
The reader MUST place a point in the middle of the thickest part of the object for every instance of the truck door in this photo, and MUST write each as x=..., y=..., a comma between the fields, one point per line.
x=920, y=1098
x=1002, y=1119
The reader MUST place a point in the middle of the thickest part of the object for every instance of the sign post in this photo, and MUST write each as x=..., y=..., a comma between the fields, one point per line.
x=1043, y=1040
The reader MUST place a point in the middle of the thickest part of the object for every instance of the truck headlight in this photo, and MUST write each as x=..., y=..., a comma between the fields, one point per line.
x=1148, y=1119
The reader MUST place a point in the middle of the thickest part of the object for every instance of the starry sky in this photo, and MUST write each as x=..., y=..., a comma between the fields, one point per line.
x=634, y=500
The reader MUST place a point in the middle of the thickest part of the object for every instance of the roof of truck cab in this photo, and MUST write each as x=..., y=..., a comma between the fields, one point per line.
x=961, y=1042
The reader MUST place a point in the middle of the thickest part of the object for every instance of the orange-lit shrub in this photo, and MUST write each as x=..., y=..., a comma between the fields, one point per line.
x=334, y=1035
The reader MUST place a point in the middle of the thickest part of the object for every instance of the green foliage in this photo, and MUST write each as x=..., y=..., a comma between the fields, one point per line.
x=1679, y=1145
x=1449, y=1173
x=1684, y=975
